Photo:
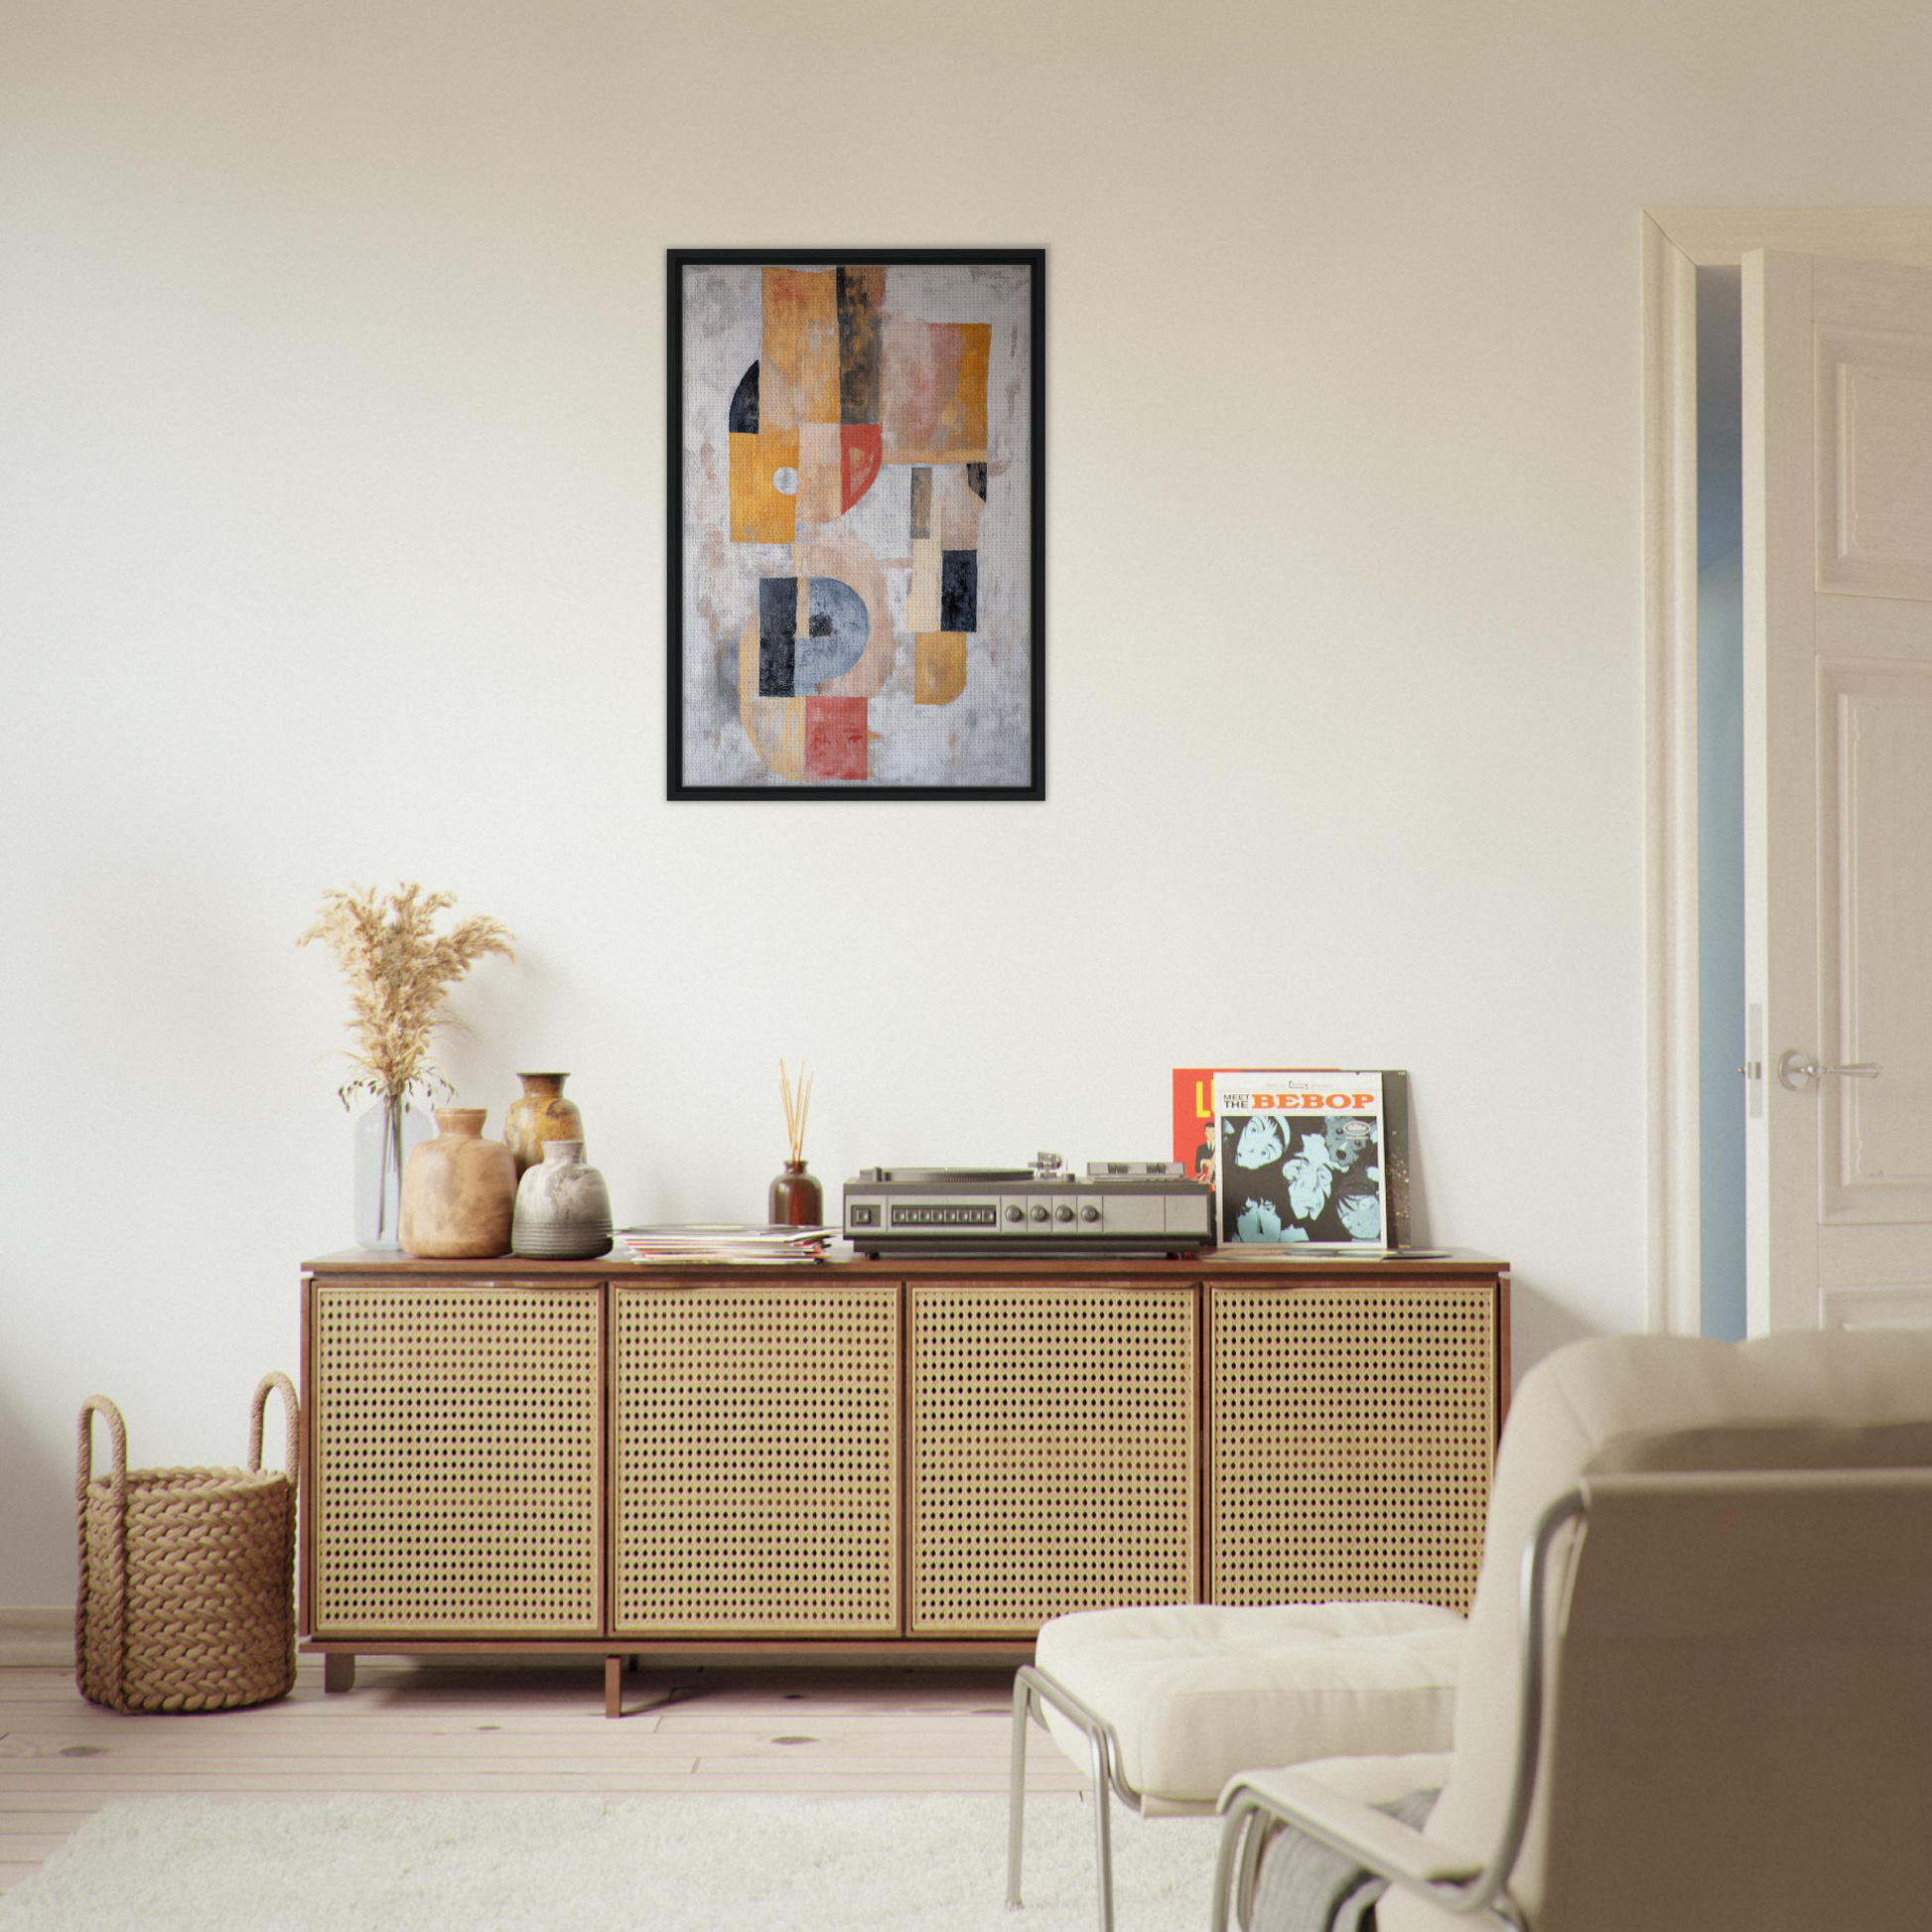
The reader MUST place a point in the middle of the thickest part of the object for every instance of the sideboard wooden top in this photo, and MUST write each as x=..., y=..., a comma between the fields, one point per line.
x=1217, y=1264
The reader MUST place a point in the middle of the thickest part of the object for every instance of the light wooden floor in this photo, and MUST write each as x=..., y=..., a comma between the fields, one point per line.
x=510, y=1728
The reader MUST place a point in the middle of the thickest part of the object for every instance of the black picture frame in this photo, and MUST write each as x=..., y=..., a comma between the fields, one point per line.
x=680, y=569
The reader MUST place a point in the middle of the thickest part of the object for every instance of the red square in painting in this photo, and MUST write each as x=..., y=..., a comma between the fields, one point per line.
x=835, y=738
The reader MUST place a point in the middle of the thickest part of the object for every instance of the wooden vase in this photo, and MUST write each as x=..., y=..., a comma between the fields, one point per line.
x=459, y=1190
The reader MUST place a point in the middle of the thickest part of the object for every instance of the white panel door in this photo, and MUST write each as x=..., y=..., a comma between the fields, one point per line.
x=1838, y=777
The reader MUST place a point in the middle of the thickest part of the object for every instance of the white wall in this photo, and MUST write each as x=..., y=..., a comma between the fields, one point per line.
x=332, y=422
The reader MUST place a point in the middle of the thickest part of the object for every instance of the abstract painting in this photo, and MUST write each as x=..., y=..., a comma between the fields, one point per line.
x=856, y=517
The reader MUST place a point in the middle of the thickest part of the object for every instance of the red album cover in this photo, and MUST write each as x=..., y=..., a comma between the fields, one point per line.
x=1194, y=1113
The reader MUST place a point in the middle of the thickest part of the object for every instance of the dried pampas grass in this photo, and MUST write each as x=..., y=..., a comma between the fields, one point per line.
x=398, y=969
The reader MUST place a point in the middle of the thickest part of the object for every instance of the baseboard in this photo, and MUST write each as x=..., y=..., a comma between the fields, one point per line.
x=43, y=1635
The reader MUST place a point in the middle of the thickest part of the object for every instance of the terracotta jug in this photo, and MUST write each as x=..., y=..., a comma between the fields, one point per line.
x=540, y=1114
x=459, y=1190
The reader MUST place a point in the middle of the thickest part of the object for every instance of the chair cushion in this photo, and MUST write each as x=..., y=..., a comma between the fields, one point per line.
x=1197, y=1692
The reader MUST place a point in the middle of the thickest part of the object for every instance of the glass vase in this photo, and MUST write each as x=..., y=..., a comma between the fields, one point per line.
x=385, y=1135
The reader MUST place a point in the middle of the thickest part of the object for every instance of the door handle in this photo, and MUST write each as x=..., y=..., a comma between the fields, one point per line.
x=1796, y=1070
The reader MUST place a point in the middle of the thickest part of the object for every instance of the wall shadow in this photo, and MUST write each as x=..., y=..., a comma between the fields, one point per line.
x=36, y=1511
x=1538, y=1325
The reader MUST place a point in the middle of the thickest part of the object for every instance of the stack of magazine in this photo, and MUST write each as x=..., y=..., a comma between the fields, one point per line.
x=700, y=1241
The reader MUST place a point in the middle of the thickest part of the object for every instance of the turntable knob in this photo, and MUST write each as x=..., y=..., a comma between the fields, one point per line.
x=1015, y=1212
x=1089, y=1213
x=1063, y=1213
x=1039, y=1214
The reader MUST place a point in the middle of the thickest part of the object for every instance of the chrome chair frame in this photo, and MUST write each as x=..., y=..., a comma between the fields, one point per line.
x=1253, y=1815
x=1032, y=1689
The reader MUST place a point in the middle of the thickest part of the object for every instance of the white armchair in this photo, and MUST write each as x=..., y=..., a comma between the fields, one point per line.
x=1697, y=1685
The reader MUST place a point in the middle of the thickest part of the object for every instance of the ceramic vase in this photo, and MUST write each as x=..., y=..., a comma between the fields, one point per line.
x=795, y=1200
x=539, y=1114
x=563, y=1208
x=459, y=1190
x=385, y=1135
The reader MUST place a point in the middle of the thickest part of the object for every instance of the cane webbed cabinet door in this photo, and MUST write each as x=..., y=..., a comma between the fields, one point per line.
x=1351, y=1438
x=1053, y=1440
x=755, y=1455
x=457, y=1459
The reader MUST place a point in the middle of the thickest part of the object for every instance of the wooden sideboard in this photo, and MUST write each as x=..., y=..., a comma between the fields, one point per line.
x=880, y=1459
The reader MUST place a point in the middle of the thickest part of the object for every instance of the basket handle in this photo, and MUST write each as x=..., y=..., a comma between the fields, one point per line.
x=117, y=1432
x=291, y=1409
x=112, y=1638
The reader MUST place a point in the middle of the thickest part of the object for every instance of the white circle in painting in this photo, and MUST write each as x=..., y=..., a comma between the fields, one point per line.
x=786, y=481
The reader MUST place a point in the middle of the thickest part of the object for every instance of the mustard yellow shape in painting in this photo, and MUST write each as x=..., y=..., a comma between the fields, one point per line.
x=798, y=371
x=760, y=511
x=963, y=419
x=938, y=666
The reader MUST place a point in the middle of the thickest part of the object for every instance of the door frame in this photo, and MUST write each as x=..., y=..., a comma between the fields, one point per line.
x=1675, y=243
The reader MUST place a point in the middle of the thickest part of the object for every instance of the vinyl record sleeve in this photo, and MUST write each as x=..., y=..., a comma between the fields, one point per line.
x=1198, y=1147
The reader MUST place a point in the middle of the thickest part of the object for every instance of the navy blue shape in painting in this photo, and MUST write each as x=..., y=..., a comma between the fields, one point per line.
x=745, y=405
x=777, y=620
x=775, y=667
x=777, y=607
x=959, y=590
x=838, y=626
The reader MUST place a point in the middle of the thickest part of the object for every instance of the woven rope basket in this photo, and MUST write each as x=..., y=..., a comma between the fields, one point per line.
x=187, y=1576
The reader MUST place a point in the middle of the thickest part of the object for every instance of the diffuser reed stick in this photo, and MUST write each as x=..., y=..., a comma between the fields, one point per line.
x=799, y=1104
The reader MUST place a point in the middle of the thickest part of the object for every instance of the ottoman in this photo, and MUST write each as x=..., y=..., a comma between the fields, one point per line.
x=1165, y=1705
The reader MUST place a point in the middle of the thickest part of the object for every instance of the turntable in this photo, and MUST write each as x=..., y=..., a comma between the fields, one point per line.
x=1129, y=1208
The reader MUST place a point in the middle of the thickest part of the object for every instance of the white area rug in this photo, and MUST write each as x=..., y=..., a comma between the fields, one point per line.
x=762, y=1863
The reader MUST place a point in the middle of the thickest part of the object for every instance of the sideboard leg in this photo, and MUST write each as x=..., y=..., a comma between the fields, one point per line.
x=339, y=1670
x=614, y=1686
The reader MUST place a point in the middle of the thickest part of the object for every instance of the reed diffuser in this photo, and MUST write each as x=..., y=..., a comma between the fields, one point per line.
x=796, y=1200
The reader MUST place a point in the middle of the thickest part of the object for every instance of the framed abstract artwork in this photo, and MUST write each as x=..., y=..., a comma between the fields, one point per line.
x=856, y=517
